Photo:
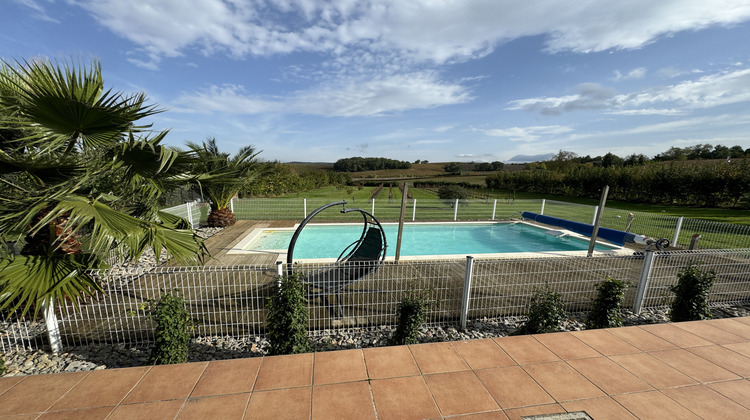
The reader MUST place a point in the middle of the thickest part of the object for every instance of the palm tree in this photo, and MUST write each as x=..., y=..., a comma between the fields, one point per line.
x=225, y=176
x=78, y=179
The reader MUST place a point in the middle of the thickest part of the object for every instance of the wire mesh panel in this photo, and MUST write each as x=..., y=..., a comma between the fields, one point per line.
x=221, y=300
x=714, y=235
x=504, y=287
x=732, y=268
x=21, y=333
x=341, y=301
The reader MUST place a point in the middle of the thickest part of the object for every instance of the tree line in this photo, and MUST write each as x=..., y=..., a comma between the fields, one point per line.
x=360, y=164
x=704, y=183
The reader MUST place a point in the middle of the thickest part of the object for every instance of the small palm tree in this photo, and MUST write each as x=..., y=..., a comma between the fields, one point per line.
x=78, y=180
x=223, y=177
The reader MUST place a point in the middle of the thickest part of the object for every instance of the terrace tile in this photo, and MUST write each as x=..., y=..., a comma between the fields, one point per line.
x=482, y=354
x=741, y=348
x=599, y=408
x=604, y=342
x=218, y=407
x=343, y=401
x=35, y=394
x=563, y=382
x=403, y=398
x=694, y=366
x=709, y=332
x=459, y=393
x=90, y=413
x=152, y=410
x=677, y=336
x=487, y=415
x=738, y=391
x=566, y=346
x=101, y=388
x=390, y=362
x=722, y=356
x=525, y=349
x=227, y=377
x=512, y=387
x=653, y=405
x=732, y=325
x=339, y=366
x=9, y=382
x=292, y=403
x=437, y=358
x=707, y=403
x=278, y=372
x=652, y=370
x=166, y=382
x=609, y=376
x=642, y=339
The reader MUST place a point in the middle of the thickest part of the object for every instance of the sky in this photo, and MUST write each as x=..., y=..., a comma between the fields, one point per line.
x=436, y=80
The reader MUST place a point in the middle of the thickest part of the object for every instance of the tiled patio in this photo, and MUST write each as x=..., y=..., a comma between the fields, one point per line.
x=669, y=371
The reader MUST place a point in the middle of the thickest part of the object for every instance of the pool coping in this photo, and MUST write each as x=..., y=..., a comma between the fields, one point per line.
x=238, y=249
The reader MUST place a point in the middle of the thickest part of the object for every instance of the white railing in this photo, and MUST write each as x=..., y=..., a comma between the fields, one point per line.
x=231, y=301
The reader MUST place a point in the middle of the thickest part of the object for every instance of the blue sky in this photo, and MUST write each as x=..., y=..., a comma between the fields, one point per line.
x=448, y=80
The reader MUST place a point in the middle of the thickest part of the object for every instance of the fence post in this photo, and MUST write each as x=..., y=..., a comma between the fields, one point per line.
x=190, y=215
x=640, y=293
x=677, y=230
x=304, y=208
x=279, y=273
x=373, y=207
x=544, y=201
x=231, y=204
x=414, y=210
x=455, y=211
x=53, y=328
x=494, y=209
x=596, y=210
x=467, y=290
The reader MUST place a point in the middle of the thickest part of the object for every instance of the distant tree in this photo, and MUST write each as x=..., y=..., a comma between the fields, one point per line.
x=452, y=168
x=610, y=160
x=489, y=167
x=417, y=162
x=359, y=164
x=425, y=161
x=635, y=160
x=736, y=152
x=674, y=153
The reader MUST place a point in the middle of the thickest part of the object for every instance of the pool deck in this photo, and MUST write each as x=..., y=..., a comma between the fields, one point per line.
x=685, y=370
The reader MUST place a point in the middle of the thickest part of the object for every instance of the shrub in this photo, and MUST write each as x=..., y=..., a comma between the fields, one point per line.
x=690, y=302
x=287, y=318
x=546, y=312
x=3, y=369
x=605, y=311
x=172, y=325
x=411, y=313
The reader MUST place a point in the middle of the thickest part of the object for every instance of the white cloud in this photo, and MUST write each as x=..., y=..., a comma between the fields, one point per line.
x=423, y=30
x=372, y=97
x=706, y=92
x=39, y=10
x=527, y=134
x=638, y=73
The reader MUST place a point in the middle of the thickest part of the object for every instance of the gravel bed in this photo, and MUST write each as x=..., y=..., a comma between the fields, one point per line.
x=107, y=356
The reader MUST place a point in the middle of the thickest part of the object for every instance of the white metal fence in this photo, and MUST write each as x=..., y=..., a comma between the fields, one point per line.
x=679, y=230
x=231, y=301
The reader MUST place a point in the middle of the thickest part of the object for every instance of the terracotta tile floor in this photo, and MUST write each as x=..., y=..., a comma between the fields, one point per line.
x=690, y=370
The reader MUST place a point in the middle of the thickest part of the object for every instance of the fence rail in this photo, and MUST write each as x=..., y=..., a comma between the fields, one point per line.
x=231, y=301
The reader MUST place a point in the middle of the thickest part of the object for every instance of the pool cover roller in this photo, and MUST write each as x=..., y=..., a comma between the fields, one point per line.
x=618, y=237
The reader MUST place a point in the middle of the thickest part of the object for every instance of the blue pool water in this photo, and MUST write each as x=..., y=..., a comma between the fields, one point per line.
x=328, y=241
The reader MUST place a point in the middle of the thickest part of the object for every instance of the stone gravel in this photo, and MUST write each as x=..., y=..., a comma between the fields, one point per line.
x=106, y=356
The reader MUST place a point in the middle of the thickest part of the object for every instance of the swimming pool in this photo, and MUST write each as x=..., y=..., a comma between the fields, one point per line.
x=420, y=240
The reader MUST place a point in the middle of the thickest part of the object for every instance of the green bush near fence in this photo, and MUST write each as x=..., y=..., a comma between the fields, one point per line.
x=173, y=324
x=690, y=302
x=546, y=312
x=411, y=313
x=286, y=325
x=607, y=305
